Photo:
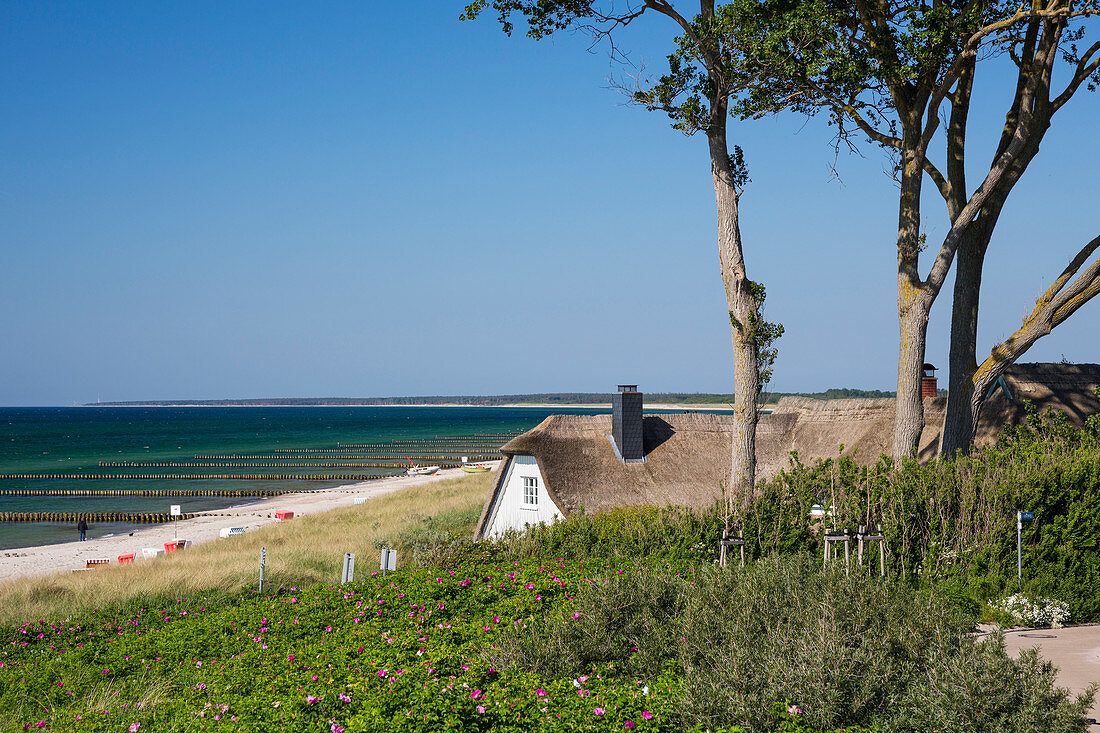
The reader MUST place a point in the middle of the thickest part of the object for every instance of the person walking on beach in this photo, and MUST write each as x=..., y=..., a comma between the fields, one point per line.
x=82, y=527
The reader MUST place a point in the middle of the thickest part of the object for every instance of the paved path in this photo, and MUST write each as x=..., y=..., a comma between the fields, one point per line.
x=1075, y=651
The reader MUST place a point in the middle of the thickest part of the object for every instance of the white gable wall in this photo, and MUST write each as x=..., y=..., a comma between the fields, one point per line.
x=509, y=511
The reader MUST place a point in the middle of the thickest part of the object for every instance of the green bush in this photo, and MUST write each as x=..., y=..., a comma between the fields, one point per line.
x=954, y=521
x=623, y=535
x=846, y=649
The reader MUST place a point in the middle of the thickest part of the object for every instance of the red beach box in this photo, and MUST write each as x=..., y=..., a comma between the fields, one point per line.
x=126, y=559
x=171, y=546
x=283, y=515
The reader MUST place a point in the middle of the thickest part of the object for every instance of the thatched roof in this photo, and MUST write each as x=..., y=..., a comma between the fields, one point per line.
x=1069, y=388
x=688, y=454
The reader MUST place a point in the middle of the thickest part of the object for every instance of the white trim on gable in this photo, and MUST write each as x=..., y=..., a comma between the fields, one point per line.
x=510, y=510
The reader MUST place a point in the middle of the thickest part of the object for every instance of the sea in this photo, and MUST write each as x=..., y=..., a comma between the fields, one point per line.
x=75, y=440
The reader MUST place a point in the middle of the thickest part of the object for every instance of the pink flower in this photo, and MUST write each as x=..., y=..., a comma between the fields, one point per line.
x=290, y=657
x=475, y=694
x=383, y=672
x=598, y=711
x=481, y=708
x=344, y=698
x=312, y=700
x=540, y=692
x=628, y=724
x=794, y=710
x=135, y=727
x=576, y=616
x=647, y=715
x=336, y=728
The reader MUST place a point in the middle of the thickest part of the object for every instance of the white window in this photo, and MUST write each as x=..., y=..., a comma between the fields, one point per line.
x=530, y=491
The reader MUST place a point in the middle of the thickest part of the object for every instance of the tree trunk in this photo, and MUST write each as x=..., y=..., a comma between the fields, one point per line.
x=909, y=409
x=914, y=302
x=743, y=309
x=958, y=424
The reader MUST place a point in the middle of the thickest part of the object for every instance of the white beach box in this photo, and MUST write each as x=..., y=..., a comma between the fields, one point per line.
x=230, y=531
x=360, y=500
x=150, y=552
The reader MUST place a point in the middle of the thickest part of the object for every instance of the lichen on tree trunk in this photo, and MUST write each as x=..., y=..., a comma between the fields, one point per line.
x=914, y=301
x=744, y=314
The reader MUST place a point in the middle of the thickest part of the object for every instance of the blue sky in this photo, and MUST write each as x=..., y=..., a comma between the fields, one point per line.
x=212, y=200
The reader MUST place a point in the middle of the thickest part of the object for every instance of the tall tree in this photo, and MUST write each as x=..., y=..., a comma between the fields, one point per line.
x=1035, y=48
x=886, y=69
x=705, y=74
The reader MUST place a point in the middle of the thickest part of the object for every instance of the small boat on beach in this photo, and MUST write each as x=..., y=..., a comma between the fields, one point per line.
x=421, y=470
x=469, y=467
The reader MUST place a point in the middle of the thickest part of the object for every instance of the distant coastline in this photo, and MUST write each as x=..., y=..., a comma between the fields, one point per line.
x=675, y=400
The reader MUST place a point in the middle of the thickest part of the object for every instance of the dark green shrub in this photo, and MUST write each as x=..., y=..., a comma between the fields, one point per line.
x=626, y=534
x=848, y=650
x=983, y=689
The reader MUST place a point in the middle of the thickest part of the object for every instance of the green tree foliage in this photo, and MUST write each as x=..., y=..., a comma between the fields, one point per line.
x=954, y=521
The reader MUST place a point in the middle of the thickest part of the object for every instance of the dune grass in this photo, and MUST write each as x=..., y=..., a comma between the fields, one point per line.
x=301, y=552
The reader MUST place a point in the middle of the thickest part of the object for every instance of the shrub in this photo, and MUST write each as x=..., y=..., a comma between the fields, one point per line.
x=1034, y=611
x=984, y=689
x=844, y=649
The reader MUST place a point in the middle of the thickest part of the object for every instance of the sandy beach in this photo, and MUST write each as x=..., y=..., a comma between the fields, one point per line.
x=22, y=562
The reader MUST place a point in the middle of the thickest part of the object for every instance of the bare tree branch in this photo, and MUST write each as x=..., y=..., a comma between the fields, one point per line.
x=1051, y=308
x=1085, y=69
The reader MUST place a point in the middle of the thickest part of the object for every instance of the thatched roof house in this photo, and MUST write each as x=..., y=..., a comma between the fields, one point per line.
x=573, y=461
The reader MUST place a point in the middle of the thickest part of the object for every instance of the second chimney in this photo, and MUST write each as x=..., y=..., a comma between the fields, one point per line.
x=626, y=422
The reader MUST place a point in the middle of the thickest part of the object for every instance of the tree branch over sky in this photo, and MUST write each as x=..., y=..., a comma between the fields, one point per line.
x=888, y=70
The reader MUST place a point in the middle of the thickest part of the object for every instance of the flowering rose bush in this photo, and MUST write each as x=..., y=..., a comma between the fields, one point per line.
x=413, y=651
x=396, y=653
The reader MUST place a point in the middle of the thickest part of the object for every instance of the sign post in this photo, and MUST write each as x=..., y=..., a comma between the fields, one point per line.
x=349, y=568
x=174, y=510
x=389, y=560
x=263, y=560
x=1020, y=517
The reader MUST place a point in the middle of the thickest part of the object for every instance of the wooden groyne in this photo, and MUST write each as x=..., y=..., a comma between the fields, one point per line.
x=472, y=455
x=196, y=476
x=261, y=464
x=92, y=517
x=229, y=493
x=389, y=449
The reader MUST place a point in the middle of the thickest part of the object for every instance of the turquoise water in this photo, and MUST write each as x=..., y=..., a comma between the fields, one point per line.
x=76, y=439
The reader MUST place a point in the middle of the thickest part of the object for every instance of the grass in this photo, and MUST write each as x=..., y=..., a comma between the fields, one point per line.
x=302, y=552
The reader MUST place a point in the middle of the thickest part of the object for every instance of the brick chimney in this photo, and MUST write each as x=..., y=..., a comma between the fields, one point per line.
x=626, y=423
x=928, y=381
